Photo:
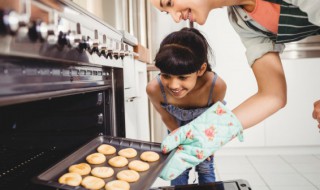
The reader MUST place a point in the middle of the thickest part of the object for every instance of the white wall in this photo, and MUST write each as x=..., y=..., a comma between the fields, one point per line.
x=291, y=126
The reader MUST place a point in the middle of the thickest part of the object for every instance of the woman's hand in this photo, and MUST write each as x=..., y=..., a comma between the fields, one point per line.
x=316, y=112
x=199, y=139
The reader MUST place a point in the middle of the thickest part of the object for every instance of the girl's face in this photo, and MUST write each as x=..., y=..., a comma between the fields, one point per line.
x=179, y=85
x=192, y=10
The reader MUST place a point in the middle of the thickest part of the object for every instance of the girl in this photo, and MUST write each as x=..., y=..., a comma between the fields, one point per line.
x=263, y=26
x=185, y=88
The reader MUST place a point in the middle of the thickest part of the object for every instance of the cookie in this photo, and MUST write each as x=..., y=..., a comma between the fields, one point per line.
x=149, y=156
x=106, y=149
x=117, y=185
x=72, y=179
x=96, y=158
x=128, y=152
x=128, y=175
x=102, y=172
x=138, y=165
x=91, y=182
x=82, y=168
x=118, y=161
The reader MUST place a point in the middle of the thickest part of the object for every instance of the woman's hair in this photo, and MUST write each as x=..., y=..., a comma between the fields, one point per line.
x=183, y=52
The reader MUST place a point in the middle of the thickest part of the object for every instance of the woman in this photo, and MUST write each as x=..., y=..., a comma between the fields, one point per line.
x=263, y=26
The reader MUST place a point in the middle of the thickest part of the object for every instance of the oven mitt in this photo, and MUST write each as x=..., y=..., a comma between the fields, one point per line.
x=199, y=139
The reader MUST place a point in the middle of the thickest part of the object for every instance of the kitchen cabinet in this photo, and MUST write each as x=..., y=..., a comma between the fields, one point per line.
x=136, y=101
x=129, y=77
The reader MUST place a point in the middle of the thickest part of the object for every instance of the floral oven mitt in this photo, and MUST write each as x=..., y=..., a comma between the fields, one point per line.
x=199, y=139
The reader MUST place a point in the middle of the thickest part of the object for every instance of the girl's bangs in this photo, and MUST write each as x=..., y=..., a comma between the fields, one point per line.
x=176, y=62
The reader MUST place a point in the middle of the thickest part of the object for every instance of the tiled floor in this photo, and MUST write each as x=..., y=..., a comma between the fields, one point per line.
x=272, y=172
x=278, y=171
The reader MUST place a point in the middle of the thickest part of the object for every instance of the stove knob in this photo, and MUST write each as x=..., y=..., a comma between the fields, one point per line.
x=110, y=48
x=126, y=50
x=38, y=30
x=116, y=51
x=95, y=43
x=52, y=34
x=77, y=38
x=103, y=46
x=84, y=44
x=63, y=39
x=122, y=50
x=80, y=42
x=9, y=22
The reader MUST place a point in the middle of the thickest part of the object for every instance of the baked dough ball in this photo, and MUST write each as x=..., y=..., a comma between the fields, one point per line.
x=72, y=179
x=106, y=149
x=128, y=175
x=91, y=182
x=117, y=185
x=102, y=172
x=149, y=156
x=82, y=168
x=128, y=152
x=118, y=161
x=96, y=158
x=138, y=165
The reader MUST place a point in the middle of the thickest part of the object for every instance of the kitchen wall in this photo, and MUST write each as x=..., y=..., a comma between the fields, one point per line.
x=291, y=126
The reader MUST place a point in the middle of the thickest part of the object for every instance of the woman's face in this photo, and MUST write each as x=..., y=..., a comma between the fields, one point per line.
x=192, y=10
x=179, y=85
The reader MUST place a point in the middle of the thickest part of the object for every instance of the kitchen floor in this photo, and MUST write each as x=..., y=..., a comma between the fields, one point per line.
x=269, y=169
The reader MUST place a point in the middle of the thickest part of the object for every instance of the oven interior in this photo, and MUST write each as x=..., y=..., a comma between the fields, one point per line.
x=35, y=135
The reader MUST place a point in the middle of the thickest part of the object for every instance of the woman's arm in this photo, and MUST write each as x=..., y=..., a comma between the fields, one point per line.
x=271, y=95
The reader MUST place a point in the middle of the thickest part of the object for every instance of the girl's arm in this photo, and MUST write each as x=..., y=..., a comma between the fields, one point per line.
x=271, y=95
x=154, y=94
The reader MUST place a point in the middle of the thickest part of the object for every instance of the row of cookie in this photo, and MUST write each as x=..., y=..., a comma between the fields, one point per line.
x=122, y=159
x=104, y=171
x=73, y=178
x=127, y=153
x=94, y=183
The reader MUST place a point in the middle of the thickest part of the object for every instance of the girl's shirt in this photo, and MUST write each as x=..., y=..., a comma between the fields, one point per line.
x=258, y=40
x=184, y=116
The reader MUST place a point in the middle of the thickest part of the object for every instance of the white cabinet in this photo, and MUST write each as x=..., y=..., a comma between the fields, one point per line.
x=136, y=101
x=129, y=77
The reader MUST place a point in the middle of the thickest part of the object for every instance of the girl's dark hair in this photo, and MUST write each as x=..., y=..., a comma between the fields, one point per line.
x=183, y=52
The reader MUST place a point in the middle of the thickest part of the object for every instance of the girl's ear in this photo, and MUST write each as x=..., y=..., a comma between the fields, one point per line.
x=202, y=69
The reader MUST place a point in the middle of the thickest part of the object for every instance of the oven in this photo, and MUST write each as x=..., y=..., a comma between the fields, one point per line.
x=61, y=85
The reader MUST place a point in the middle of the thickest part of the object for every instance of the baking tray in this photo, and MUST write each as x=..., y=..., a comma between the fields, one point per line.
x=50, y=176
